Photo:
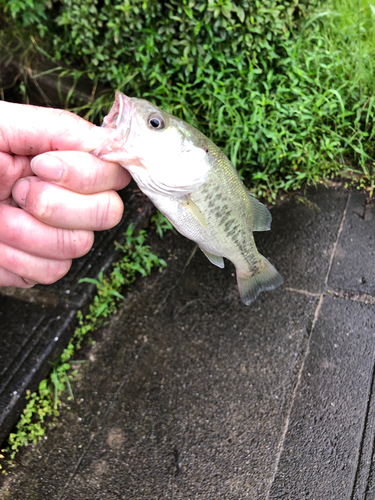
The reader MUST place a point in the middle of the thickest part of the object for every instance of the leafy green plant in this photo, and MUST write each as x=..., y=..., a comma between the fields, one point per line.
x=161, y=223
x=32, y=424
x=28, y=12
x=42, y=408
x=285, y=88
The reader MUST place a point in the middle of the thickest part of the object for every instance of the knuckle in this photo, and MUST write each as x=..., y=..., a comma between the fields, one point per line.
x=7, y=278
x=11, y=170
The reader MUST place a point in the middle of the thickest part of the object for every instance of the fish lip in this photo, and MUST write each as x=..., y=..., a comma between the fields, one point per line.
x=120, y=112
x=119, y=120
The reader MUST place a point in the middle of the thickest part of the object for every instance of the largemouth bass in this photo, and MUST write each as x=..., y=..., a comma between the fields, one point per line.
x=191, y=181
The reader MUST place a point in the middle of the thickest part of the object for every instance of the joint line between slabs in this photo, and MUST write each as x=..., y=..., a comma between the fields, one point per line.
x=363, y=298
x=295, y=391
x=337, y=239
x=303, y=292
x=316, y=316
x=366, y=470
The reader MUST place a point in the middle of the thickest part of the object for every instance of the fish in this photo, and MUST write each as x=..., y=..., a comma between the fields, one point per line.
x=194, y=185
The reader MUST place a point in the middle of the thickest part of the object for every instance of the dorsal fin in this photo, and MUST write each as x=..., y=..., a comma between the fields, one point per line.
x=261, y=215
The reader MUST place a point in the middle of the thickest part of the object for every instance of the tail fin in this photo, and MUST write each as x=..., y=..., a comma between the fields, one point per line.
x=267, y=279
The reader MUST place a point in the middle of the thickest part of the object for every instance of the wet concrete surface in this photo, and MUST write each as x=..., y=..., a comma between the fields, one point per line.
x=189, y=394
x=354, y=263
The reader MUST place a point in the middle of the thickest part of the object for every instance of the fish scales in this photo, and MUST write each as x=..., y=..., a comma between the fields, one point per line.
x=192, y=182
x=222, y=209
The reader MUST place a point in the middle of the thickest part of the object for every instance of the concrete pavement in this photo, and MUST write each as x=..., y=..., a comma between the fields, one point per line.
x=189, y=394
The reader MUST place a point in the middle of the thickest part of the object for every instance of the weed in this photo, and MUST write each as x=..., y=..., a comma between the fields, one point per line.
x=28, y=12
x=363, y=183
x=161, y=223
x=285, y=90
x=42, y=407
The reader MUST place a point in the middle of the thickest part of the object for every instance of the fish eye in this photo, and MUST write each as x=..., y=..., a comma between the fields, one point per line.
x=156, y=122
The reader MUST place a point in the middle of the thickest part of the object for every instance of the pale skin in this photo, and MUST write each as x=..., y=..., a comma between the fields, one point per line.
x=53, y=192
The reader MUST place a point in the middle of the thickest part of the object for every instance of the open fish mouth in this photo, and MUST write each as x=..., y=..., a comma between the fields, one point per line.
x=119, y=119
x=120, y=112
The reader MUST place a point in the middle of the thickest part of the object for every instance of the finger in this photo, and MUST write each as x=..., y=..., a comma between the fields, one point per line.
x=62, y=208
x=36, y=269
x=12, y=168
x=9, y=201
x=21, y=230
x=10, y=279
x=80, y=172
x=51, y=130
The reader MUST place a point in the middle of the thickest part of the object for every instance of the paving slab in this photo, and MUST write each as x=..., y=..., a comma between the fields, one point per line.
x=324, y=441
x=190, y=394
x=196, y=416
x=304, y=232
x=353, y=267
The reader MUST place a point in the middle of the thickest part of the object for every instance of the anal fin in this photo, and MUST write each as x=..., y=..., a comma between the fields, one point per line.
x=215, y=259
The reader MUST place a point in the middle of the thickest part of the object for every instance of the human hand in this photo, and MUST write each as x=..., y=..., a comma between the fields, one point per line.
x=53, y=192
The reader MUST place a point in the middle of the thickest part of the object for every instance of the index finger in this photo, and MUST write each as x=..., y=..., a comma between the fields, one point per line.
x=80, y=172
x=31, y=130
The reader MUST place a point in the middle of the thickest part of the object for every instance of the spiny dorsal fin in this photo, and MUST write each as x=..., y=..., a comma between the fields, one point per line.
x=262, y=216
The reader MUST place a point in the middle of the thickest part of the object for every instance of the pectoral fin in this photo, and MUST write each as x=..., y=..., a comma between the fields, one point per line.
x=262, y=216
x=215, y=259
x=194, y=209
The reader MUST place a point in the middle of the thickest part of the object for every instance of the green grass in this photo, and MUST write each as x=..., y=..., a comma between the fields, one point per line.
x=287, y=93
x=42, y=408
x=313, y=117
x=304, y=116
